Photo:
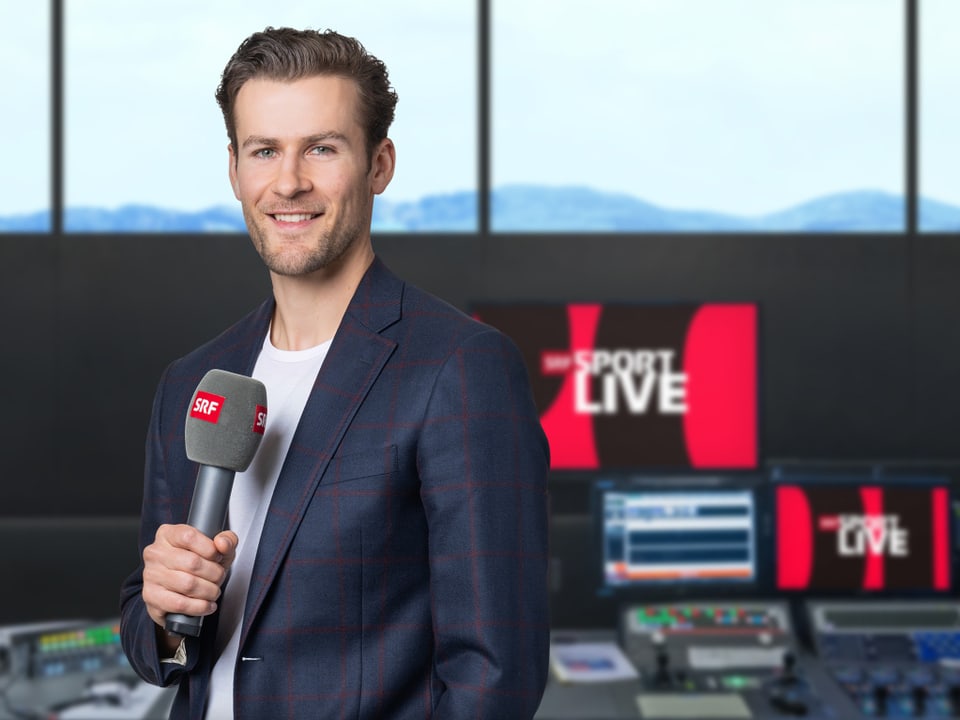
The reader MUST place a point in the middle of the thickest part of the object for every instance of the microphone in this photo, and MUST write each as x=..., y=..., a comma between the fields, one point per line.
x=225, y=423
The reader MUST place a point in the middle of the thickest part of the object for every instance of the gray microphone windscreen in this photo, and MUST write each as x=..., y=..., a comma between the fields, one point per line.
x=226, y=420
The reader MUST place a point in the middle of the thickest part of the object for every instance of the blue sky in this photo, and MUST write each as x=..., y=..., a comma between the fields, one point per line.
x=24, y=122
x=739, y=106
x=939, y=100
x=170, y=129
x=743, y=106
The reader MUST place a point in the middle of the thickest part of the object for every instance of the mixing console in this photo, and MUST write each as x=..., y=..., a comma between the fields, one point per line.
x=893, y=659
x=83, y=649
x=725, y=660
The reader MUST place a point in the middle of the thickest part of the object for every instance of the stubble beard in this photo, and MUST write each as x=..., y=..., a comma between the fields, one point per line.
x=322, y=251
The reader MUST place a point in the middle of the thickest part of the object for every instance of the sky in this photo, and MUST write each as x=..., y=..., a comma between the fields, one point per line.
x=740, y=106
x=25, y=107
x=743, y=106
x=939, y=174
x=145, y=92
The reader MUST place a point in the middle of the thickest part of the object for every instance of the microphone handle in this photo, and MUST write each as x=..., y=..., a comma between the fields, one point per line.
x=208, y=514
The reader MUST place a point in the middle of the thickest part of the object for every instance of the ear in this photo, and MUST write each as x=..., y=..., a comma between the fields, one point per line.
x=234, y=183
x=384, y=162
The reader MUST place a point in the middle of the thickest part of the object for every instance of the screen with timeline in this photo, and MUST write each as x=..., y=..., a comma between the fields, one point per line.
x=668, y=537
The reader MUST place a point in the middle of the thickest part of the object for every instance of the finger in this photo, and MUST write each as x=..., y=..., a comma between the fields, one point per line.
x=161, y=602
x=161, y=563
x=160, y=579
x=226, y=543
x=188, y=538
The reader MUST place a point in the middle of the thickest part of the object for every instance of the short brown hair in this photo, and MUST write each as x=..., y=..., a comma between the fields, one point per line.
x=289, y=54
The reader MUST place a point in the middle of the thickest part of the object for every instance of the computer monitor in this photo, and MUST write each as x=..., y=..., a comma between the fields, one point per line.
x=852, y=535
x=693, y=536
x=632, y=387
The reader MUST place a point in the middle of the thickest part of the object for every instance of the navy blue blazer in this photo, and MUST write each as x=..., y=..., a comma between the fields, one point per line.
x=402, y=571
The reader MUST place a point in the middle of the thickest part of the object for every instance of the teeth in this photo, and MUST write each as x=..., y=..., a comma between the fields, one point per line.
x=293, y=218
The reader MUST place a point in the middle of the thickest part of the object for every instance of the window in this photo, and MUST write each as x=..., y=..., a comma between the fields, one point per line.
x=743, y=115
x=939, y=171
x=25, y=120
x=623, y=116
x=145, y=141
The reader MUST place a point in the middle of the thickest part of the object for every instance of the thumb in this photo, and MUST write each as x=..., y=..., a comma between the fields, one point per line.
x=226, y=543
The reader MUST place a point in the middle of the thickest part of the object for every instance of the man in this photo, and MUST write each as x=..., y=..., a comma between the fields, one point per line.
x=386, y=551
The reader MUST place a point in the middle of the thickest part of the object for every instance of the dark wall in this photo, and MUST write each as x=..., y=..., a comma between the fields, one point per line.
x=859, y=339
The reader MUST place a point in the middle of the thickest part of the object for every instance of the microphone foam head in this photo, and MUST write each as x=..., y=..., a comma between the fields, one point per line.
x=226, y=420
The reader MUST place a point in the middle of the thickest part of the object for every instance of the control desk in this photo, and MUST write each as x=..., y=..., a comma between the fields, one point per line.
x=893, y=659
x=73, y=670
x=707, y=661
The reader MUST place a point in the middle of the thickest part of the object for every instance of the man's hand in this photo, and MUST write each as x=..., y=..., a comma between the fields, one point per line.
x=183, y=571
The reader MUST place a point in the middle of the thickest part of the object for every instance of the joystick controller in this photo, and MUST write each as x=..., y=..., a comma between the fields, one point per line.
x=661, y=678
x=881, y=693
x=786, y=691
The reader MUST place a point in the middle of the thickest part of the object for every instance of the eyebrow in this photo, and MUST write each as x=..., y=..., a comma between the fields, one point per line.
x=309, y=140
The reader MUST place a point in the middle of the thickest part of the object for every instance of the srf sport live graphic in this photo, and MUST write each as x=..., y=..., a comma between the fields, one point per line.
x=633, y=386
x=862, y=537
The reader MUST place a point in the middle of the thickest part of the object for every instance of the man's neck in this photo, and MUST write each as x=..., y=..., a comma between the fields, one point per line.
x=310, y=307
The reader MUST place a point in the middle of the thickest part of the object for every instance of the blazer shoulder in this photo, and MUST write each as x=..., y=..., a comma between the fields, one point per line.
x=438, y=317
x=385, y=303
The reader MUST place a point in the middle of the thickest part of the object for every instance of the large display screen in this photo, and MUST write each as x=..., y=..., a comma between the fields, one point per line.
x=640, y=386
x=868, y=537
x=675, y=537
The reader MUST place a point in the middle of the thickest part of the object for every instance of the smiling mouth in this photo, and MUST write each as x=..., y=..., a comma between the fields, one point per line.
x=294, y=217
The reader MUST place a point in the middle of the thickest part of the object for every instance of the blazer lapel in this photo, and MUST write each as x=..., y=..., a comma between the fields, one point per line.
x=242, y=344
x=356, y=357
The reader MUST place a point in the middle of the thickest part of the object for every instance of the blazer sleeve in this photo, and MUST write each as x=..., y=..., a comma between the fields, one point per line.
x=137, y=629
x=483, y=462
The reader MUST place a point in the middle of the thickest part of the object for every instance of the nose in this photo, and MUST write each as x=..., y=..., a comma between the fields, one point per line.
x=291, y=179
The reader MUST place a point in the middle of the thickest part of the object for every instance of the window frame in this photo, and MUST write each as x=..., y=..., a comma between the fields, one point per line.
x=483, y=187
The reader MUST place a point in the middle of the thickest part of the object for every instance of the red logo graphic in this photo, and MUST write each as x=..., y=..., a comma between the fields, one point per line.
x=633, y=385
x=207, y=406
x=862, y=537
x=260, y=419
x=556, y=362
x=829, y=523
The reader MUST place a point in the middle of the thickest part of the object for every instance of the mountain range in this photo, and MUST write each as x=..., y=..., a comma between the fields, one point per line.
x=532, y=208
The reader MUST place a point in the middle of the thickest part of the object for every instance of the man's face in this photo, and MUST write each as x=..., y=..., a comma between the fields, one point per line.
x=301, y=171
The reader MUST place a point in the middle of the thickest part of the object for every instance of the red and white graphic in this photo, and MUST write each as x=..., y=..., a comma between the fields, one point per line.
x=632, y=386
x=260, y=419
x=862, y=537
x=207, y=406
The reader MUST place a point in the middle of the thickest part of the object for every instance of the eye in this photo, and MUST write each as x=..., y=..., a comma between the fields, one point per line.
x=264, y=153
x=321, y=150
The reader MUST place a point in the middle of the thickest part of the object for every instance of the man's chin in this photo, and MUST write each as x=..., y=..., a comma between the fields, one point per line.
x=287, y=267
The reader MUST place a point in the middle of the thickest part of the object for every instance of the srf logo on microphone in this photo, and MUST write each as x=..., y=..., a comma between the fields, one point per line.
x=207, y=406
x=260, y=419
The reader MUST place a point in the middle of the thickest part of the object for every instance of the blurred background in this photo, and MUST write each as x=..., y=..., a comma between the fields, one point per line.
x=799, y=157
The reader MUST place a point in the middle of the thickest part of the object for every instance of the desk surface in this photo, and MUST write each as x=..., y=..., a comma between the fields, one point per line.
x=601, y=701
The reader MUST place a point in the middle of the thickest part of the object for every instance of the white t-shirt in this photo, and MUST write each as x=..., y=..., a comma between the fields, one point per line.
x=288, y=376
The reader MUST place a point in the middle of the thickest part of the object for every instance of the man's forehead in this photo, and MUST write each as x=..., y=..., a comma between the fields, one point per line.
x=335, y=87
x=300, y=108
